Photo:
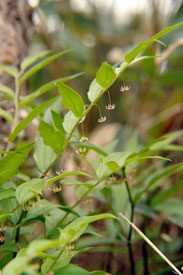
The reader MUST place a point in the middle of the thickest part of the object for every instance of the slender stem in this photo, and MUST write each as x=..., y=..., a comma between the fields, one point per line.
x=145, y=253
x=151, y=244
x=130, y=251
x=15, y=119
x=109, y=97
x=131, y=201
x=78, y=202
x=84, y=114
x=55, y=261
x=114, y=213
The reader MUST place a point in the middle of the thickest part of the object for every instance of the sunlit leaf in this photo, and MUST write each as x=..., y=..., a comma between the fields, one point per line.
x=69, y=121
x=71, y=100
x=105, y=75
x=94, y=90
x=142, y=45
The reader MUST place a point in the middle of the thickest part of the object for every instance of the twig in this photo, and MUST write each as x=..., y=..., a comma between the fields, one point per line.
x=151, y=244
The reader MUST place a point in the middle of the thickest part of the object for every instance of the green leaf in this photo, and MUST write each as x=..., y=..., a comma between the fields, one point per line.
x=165, y=194
x=52, y=137
x=44, y=88
x=58, y=121
x=71, y=100
x=76, y=228
x=136, y=60
x=90, y=146
x=4, y=217
x=145, y=210
x=33, y=114
x=141, y=46
x=9, y=70
x=69, y=122
x=67, y=174
x=29, y=60
x=9, y=247
x=7, y=91
x=172, y=207
x=143, y=158
x=44, y=208
x=6, y=193
x=71, y=269
x=9, y=164
x=100, y=272
x=29, y=190
x=43, y=155
x=94, y=90
x=63, y=260
x=40, y=65
x=116, y=160
x=105, y=75
x=6, y=115
x=165, y=172
x=112, y=165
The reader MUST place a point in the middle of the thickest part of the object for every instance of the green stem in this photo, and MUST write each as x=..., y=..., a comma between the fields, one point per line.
x=16, y=115
x=78, y=202
x=55, y=261
x=84, y=114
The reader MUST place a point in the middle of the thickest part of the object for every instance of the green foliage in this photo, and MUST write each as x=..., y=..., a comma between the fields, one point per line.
x=71, y=100
x=108, y=177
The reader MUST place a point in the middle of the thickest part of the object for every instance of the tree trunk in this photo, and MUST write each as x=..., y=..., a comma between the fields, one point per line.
x=14, y=34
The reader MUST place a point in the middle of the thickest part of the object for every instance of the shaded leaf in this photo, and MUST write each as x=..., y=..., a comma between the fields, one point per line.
x=6, y=115
x=9, y=164
x=7, y=91
x=29, y=60
x=52, y=137
x=9, y=70
x=58, y=121
x=29, y=190
x=33, y=114
x=157, y=176
x=44, y=88
x=67, y=174
x=40, y=65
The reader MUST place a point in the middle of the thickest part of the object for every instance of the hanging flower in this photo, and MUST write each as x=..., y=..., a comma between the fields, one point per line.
x=83, y=139
x=102, y=119
x=110, y=107
x=125, y=89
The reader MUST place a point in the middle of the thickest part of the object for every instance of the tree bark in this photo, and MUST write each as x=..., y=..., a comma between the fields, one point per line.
x=15, y=18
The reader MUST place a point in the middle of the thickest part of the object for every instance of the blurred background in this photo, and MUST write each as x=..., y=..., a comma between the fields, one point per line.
x=105, y=30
